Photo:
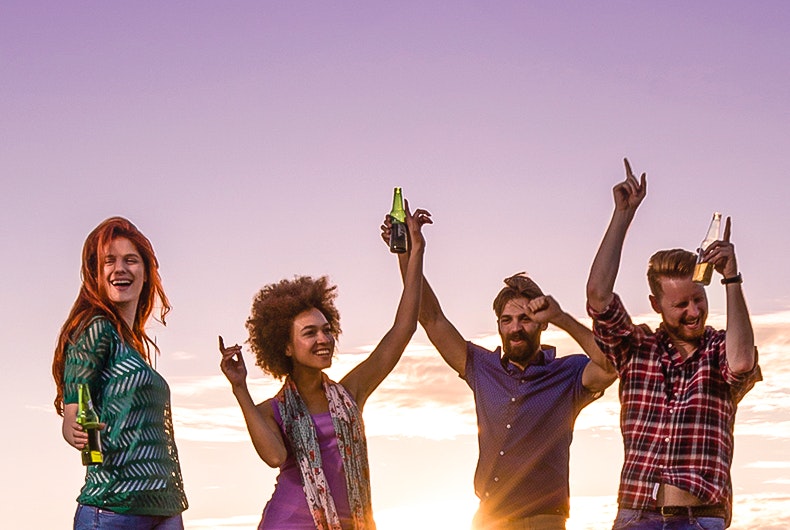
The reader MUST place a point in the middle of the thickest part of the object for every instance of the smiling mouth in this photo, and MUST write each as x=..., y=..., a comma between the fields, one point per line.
x=323, y=353
x=121, y=283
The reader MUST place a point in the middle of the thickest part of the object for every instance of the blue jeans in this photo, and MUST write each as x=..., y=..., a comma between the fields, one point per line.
x=643, y=520
x=93, y=518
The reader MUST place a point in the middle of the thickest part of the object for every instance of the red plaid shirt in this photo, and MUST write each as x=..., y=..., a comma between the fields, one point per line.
x=676, y=416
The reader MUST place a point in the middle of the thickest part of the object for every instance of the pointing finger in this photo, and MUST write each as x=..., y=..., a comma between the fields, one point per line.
x=628, y=172
x=727, y=230
x=221, y=344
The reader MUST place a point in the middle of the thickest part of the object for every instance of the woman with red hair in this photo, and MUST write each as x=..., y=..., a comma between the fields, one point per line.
x=312, y=429
x=103, y=344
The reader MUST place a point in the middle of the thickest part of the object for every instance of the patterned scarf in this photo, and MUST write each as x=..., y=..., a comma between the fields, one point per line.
x=350, y=432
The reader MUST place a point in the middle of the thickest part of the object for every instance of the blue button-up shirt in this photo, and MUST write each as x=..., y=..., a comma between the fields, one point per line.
x=525, y=420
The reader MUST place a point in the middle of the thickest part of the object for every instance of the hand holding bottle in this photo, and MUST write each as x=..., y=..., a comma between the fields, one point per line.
x=88, y=420
x=399, y=232
x=703, y=270
x=75, y=435
x=419, y=218
x=721, y=254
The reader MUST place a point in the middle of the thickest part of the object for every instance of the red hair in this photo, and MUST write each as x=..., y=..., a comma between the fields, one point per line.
x=92, y=300
x=674, y=263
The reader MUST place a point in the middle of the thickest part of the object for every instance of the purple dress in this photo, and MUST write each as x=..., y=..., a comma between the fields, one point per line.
x=287, y=509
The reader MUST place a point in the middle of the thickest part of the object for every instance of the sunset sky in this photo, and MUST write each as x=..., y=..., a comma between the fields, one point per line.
x=253, y=141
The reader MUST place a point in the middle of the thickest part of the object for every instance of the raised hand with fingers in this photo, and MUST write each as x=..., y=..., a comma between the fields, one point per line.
x=629, y=193
x=232, y=363
x=722, y=254
x=415, y=221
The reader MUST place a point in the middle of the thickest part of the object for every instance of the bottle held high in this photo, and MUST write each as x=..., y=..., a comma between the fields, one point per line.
x=703, y=271
x=399, y=233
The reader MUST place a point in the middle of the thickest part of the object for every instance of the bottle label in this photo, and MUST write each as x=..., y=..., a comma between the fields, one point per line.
x=399, y=238
x=703, y=272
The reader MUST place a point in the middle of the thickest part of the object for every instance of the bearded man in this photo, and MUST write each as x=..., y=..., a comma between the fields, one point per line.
x=526, y=398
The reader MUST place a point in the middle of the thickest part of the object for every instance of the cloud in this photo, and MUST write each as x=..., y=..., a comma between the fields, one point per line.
x=764, y=511
x=190, y=386
x=217, y=424
x=181, y=355
x=424, y=397
x=762, y=464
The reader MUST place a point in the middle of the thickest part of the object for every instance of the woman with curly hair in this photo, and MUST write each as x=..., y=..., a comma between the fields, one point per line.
x=103, y=344
x=312, y=429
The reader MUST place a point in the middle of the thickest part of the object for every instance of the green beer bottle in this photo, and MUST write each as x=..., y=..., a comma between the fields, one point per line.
x=87, y=417
x=399, y=232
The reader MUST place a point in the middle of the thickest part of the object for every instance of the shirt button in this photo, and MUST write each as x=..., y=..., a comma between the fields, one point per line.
x=501, y=453
x=512, y=399
x=496, y=479
x=508, y=426
x=666, y=439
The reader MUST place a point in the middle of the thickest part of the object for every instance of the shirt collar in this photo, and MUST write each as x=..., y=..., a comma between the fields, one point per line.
x=669, y=346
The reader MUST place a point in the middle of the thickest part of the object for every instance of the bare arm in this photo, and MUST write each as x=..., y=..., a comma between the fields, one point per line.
x=369, y=374
x=441, y=332
x=741, y=354
x=261, y=425
x=599, y=373
x=627, y=197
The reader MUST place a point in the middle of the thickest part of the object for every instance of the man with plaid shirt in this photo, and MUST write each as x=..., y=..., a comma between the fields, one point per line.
x=679, y=385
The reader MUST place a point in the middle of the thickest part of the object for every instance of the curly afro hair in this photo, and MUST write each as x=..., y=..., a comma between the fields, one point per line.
x=273, y=311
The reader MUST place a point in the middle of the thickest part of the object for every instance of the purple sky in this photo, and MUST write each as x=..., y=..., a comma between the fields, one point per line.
x=252, y=141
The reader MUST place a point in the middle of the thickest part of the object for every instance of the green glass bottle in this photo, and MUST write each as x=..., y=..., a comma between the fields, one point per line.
x=399, y=232
x=87, y=417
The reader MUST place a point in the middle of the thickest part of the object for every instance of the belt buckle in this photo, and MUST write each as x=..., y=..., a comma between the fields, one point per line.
x=668, y=511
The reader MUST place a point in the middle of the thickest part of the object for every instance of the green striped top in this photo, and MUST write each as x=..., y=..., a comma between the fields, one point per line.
x=140, y=474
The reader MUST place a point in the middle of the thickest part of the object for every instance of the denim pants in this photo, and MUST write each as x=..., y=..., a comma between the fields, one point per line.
x=644, y=520
x=93, y=518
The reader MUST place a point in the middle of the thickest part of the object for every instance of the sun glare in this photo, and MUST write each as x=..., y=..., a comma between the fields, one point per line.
x=447, y=513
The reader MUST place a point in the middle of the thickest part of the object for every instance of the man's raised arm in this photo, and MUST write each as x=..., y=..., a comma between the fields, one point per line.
x=741, y=353
x=441, y=332
x=628, y=194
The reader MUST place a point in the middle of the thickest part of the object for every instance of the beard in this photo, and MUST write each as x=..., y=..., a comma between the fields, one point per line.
x=521, y=353
x=680, y=331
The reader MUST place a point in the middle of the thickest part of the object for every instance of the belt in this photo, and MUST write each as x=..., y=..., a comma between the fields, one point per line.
x=705, y=510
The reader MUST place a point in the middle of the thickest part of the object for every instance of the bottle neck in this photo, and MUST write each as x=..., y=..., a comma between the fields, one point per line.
x=397, y=212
